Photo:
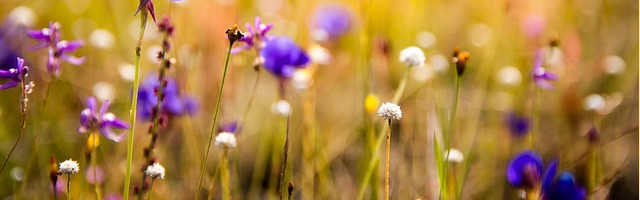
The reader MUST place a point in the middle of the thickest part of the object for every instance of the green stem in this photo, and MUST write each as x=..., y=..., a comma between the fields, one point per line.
x=94, y=162
x=449, y=139
x=215, y=118
x=68, y=187
x=224, y=175
x=134, y=105
x=150, y=189
x=376, y=154
x=23, y=123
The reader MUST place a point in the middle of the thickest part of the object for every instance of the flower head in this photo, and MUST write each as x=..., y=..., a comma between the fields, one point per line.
x=412, y=57
x=229, y=127
x=225, y=140
x=149, y=6
x=330, y=22
x=92, y=119
x=454, y=156
x=525, y=170
x=69, y=167
x=518, y=125
x=541, y=76
x=58, y=49
x=282, y=56
x=564, y=187
x=256, y=36
x=173, y=103
x=154, y=171
x=234, y=34
x=390, y=111
x=460, y=58
x=14, y=75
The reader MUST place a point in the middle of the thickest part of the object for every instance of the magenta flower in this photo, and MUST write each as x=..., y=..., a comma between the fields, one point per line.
x=58, y=49
x=103, y=121
x=257, y=34
x=14, y=75
x=541, y=76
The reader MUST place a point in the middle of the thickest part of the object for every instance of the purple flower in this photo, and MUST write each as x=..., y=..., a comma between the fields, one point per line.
x=14, y=75
x=148, y=4
x=92, y=119
x=518, y=124
x=8, y=52
x=525, y=170
x=541, y=76
x=229, y=127
x=257, y=34
x=564, y=187
x=58, y=49
x=282, y=56
x=172, y=104
x=330, y=22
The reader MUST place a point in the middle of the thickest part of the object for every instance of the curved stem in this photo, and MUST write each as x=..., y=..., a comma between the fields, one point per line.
x=22, y=126
x=401, y=86
x=215, y=119
x=134, y=105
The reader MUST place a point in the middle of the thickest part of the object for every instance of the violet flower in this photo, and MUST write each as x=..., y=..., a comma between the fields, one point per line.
x=541, y=76
x=231, y=127
x=148, y=4
x=58, y=49
x=14, y=75
x=518, y=124
x=282, y=56
x=256, y=37
x=172, y=104
x=330, y=22
x=525, y=171
x=92, y=119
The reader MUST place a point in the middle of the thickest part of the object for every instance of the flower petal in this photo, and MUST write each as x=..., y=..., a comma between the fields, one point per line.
x=9, y=84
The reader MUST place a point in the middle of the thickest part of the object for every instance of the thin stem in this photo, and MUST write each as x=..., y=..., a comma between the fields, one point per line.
x=134, y=105
x=23, y=104
x=150, y=189
x=213, y=182
x=215, y=119
x=449, y=139
x=376, y=154
x=285, y=155
x=94, y=162
x=224, y=175
x=68, y=187
x=386, y=166
x=55, y=191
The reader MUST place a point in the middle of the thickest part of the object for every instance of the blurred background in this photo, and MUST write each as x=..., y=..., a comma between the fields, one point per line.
x=332, y=134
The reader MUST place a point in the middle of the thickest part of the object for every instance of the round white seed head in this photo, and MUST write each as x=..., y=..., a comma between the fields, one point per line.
x=154, y=171
x=412, y=57
x=390, y=111
x=69, y=167
x=455, y=156
x=225, y=140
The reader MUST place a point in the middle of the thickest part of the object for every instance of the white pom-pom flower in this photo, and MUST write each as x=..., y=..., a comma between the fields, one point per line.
x=455, y=156
x=390, y=111
x=412, y=57
x=225, y=140
x=69, y=167
x=154, y=171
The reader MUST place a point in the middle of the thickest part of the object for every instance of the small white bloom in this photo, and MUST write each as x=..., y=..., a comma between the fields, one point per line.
x=154, y=171
x=69, y=167
x=509, y=76
x=614, y=64
x=225, y=140
x=102, y=38
x=390, y=111
x=594, y=102
x=281, y=107
x=455, y=156
x=412, y=56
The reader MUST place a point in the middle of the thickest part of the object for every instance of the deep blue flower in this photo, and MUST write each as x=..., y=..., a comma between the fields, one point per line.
x=518, y=124
x=92, y=119
x=8, y=52
x=525, y=170
x=256, y=36
x=541, y=76
x=330, y=22
x=58, y=49
x=14, y=75
x=172, y=104
x=564, y=187
x=282, y=56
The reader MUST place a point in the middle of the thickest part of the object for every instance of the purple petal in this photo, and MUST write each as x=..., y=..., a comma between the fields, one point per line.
x=38, y=46
x=72, y=59
x=250, y=30
x=111, y=135
x=264, y=29
x=549, y=76
x=117, y=123
x=69, y=46
x=9, y=84
x=566, y=188
x=549, y=176
x=92, y=104
x=39, y=34
x=143, y=3
x=104, y=108
x=190, y=105
x=544, y=84
x=524, y=170
x=152, y=11
x=6, y=74
x=239, y=49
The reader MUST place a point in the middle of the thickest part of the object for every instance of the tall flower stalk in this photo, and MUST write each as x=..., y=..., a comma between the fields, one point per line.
x=17, y=77
x=136, y=84
x=234, y=34
x=388, y=111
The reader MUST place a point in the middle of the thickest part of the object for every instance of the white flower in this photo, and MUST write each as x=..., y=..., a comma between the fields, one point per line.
x=455, y=156
x=390, y=111
x=412, y=56
x=281, y=107
x=154, y=171
x=594, y=102
x=614, y=65
x=69, y=167
x=225, y=140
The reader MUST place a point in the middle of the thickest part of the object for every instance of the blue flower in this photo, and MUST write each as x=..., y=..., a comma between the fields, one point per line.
x=282, y=56
x=172, y=104
x=541, y=76
x=525, y=170
x=14, y=75
x=92, y=119
x=330, y=22
x=518, y=124
x=564, y=187
x=58, y=49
